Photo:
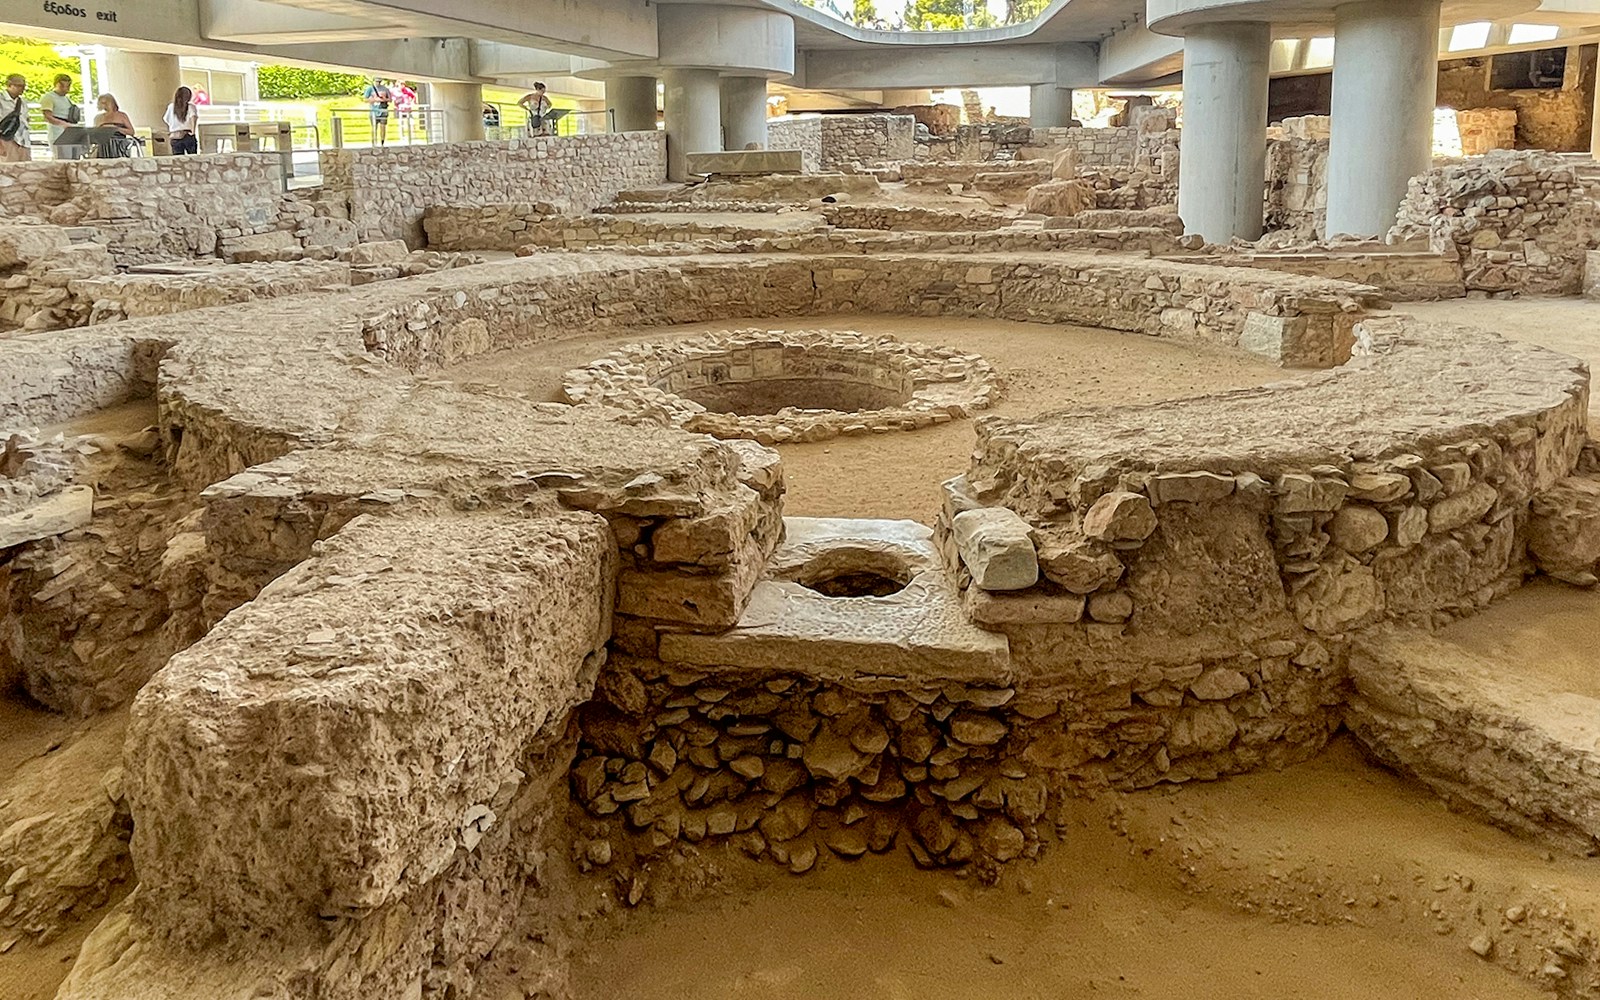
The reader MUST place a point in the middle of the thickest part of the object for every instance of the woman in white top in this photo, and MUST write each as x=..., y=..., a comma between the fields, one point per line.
x=183, y=121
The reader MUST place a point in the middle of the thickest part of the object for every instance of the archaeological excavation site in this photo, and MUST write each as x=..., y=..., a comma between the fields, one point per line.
x=815, y=546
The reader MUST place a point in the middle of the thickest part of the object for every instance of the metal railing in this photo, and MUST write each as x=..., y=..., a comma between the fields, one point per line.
x=362, y=127
x=513, y=121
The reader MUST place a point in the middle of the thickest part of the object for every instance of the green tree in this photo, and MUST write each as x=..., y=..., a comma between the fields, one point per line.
x=948, y=15
x=865, y=12
x=291, y=83
x=1018, y=11
x=39, y=62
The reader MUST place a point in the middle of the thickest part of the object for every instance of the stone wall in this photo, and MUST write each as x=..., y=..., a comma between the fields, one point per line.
x=1297, y=186
x=901, y=219
x=1096, y=147
x=155, y=208
x=1403, y=277
x=802, y=132
x=1202, y=561
x=387, y=191
x=128, y=296
x=598, y=232
x=33, y=189
x=1485, y=129
x=851, y=140
x=1520, y=221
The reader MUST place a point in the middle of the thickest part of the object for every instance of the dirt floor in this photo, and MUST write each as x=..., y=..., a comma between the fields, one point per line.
x=1561, y=623
x=1331, y=880
x=897, y=475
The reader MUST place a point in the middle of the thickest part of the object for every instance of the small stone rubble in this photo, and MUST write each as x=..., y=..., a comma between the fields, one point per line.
x=1520, y=221
x=774, y=386
x=897, y=219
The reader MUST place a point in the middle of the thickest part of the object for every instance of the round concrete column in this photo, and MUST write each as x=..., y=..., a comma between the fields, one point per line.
x=143, y=84
x=1049, y=106
x=744, y=112
x=692, y=106
x=462, y=104
x=1385, y=83
x=632, y=102
x=1222, y=174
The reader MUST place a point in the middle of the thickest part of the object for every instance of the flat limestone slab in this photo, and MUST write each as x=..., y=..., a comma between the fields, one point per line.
x=1518, y=743
x=54, y=515
x=920, y=633
x=746, y=162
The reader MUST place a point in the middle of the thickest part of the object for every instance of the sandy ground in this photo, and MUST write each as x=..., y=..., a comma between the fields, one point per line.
x=1318, y=882
x=897, y=475
x=1559, y=625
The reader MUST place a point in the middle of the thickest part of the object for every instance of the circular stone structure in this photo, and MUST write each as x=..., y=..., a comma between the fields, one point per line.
x=774, y=386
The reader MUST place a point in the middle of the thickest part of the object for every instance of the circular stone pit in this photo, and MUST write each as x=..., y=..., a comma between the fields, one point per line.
x=775, y=386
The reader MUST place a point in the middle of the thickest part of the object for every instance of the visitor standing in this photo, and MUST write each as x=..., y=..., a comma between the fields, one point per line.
x=183, y=123
x=405, y=102
x=378, y=97
x=538, y=106
x=112, y=116
x=14, y=145
x=60, y=114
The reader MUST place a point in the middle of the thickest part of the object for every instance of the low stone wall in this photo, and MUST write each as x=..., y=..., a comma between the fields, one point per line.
x=1403, y=277
x=33, y=189
x=128, y=296
x=1095, y=147
x=900, y=219
x=1203, y=562
x=592, y=232
x=1520, y=221
x=851, y=140
x=802, y=132
x=1012, y=240
x=155, y=208
x=482, y=227
x=387, y=191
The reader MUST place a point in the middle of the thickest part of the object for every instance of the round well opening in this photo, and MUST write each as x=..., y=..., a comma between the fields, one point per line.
x=761, y=397
x=853, y=573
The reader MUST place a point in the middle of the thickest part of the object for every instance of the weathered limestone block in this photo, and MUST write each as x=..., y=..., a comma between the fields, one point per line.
x=1564, y=526
x=379, y=252
x=328, y=749
x=1120, y=516
x=1060, y=198
x=1079, y=565
x=997, y=548
x=55, y=514
x=1501, y=743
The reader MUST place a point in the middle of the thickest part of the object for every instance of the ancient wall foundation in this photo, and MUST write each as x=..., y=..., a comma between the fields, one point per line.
x=388, y=191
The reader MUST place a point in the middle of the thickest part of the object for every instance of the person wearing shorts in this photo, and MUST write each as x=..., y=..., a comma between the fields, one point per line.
x=378, y=98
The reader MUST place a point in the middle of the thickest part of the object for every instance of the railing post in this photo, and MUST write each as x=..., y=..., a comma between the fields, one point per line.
x=338, y=132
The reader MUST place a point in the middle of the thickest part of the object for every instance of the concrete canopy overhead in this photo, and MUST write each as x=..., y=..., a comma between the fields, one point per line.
x=1303, y=17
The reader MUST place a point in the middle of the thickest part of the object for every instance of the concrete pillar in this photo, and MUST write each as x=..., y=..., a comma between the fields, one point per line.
x=744, y=111
x=1594, y=118
x=632, y=102
x=1222, y=175
x=462, y=104
x=1385, y=84
x=1049, y=106
x=692, y=104
x=143, y=84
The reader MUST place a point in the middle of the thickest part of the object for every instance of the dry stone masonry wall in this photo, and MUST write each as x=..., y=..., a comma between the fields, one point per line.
x=852, y=140
x=1521, y=222
x=388, y=191
x=802, y=132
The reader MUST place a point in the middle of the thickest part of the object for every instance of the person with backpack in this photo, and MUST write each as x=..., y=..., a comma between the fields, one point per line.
x=14, y=143
x=60, y=114
x=378, y=97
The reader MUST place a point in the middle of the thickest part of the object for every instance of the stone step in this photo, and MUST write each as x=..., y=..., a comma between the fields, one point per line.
x=1499, y=713
x=918, y=632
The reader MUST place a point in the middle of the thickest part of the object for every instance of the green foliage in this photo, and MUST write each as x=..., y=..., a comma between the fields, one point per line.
x=1018, y=11
x=865, y=12
x=948, y=15
x=39, y=62
x=291, y=83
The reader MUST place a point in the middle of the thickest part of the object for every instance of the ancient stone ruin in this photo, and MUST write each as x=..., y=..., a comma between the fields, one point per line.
x=437, y=551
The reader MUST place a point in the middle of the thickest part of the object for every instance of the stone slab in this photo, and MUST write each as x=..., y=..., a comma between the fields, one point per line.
x=746, y=162
x=919, y=633
x=55, y=514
